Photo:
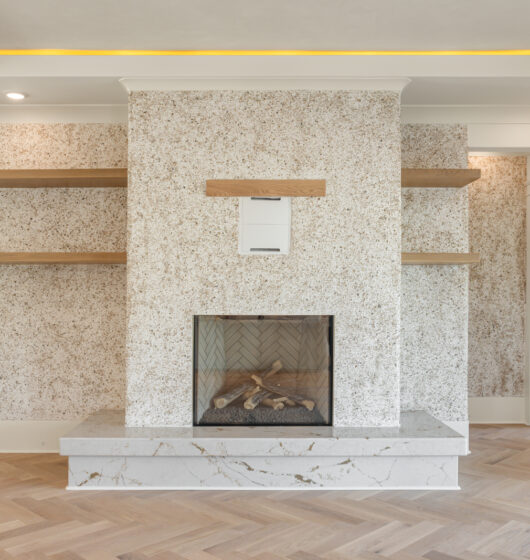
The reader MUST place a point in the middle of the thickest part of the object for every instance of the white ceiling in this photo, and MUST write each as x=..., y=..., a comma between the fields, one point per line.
x=265, y=24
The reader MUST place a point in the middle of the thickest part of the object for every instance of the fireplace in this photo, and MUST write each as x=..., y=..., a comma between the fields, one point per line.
x=263, y=370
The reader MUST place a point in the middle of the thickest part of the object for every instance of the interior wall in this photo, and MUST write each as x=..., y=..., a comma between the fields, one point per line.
x=497, y=231
x=434, y=302
x=62, y=327
x=183, y=246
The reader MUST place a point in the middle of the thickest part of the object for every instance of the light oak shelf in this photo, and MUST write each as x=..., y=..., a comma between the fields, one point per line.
x=266, y=187
x=440, y=258
x=63, y=258
x=432, y=178
x=63, y=178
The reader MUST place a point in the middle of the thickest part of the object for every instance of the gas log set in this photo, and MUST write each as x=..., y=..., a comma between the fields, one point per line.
x=260, y=389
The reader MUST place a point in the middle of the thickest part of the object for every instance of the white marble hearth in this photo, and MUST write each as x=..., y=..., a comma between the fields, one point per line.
x=105, y=454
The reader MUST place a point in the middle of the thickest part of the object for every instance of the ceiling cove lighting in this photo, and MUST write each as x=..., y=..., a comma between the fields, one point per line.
x=15, y=96
x=125, y=52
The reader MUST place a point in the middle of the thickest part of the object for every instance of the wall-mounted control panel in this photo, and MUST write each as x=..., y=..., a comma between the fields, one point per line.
x=264, y=225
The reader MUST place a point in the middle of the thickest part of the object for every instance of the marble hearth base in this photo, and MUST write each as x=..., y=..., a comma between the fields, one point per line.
x=421, y=454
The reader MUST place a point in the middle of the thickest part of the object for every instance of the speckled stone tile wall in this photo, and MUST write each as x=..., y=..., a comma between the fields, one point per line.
x=183, y=246
x=497, y=214
x=434, y=302
x=62, y=328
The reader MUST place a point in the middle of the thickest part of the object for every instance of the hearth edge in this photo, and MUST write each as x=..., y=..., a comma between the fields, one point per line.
x=105, y=454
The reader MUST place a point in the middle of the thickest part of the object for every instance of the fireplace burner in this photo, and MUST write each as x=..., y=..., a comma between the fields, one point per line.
x=264, y=370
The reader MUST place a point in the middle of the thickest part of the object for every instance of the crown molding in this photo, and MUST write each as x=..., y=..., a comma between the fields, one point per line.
x=47, y=114
x=469, y=114
x=287, y=66
x=259, y=83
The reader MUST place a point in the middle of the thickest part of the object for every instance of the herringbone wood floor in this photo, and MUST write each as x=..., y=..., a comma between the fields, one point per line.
x=489, y=518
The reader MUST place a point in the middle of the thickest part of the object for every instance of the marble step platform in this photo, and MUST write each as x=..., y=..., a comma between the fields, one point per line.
x=105, y=454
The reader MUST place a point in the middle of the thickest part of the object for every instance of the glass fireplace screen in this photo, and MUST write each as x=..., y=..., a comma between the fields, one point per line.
x=263, y=370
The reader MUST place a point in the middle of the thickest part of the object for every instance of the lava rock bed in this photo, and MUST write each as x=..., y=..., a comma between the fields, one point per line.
x=237, y=415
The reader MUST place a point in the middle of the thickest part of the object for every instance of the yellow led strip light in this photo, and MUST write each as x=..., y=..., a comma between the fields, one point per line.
x=123, y=52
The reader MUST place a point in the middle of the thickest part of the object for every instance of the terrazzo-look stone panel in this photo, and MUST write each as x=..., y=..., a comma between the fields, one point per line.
x=434, y=303
x=497, y=231
x=65, y=145
x=62, y=332
x=61, y=340
x=63, y=219
x=183, y=246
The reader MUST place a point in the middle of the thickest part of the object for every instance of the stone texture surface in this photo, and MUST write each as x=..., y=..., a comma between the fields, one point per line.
x=183, y=246
x=497, y=213
x=62, y=327
x=434, y=306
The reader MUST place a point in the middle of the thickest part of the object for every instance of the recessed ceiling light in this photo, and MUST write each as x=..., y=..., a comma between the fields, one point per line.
x=15, y=96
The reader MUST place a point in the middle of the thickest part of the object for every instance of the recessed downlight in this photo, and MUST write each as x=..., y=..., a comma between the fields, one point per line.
x=15, y=96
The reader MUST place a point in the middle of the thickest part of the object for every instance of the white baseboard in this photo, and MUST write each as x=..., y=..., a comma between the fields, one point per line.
x=497, y=410
x=33, y=436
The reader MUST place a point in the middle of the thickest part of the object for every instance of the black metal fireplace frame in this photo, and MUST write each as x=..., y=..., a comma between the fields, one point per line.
x=331, y=339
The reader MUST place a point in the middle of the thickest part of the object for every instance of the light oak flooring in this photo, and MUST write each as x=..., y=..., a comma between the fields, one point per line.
x=488, y=518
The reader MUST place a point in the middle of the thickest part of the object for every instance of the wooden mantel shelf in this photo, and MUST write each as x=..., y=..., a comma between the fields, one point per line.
x=266, y=187
x=63, y=178
x=63, y=258
x=440, y=258
x=438, y=177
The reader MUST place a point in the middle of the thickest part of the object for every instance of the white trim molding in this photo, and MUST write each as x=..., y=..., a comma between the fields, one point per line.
x=499, y=137
x=46, y=114
x=497, y=410
x=491, y=128
x=194, y=83
x=33, y=436
x=468, y=114
x=463, y=66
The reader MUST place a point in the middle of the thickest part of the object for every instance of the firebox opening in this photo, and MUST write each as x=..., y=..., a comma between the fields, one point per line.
x=263, y=370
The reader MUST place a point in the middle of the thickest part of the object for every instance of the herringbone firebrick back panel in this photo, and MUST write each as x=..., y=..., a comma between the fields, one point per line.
x=210, y=361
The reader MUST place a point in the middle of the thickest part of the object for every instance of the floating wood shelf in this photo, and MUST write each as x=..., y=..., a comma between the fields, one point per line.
x=63, y=258
x=438, y=177
x=266, y=187
x=440, y=258
x=63, y=178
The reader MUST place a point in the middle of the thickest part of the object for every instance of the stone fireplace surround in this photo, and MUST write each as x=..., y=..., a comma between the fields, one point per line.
x=344, y=261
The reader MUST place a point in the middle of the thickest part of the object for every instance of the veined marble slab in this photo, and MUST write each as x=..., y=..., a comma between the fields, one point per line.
x=105, y=434
x=262, y=473
x=420, y=454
